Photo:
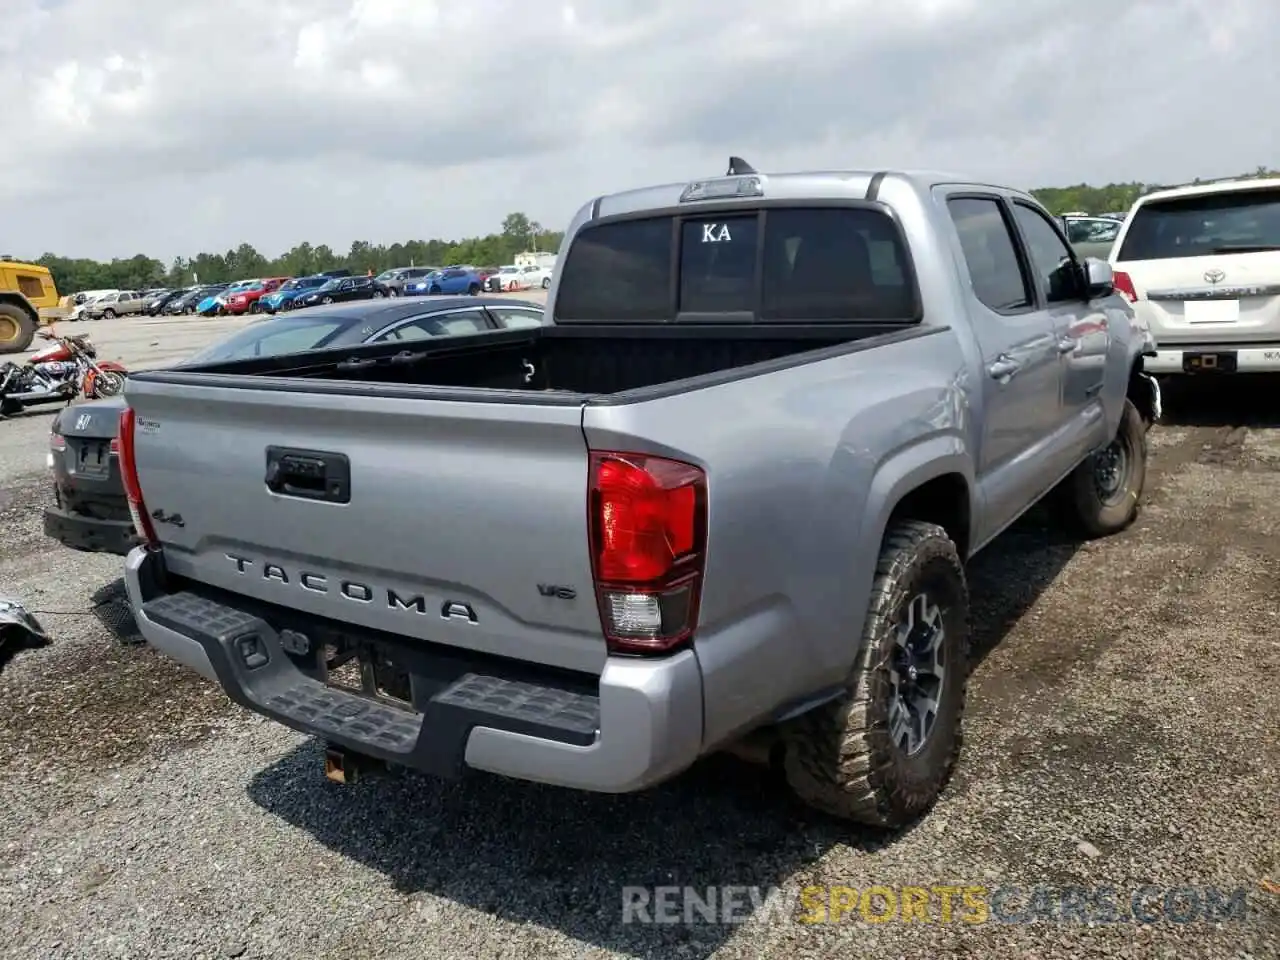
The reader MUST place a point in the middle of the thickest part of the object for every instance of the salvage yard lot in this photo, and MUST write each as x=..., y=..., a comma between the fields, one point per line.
x=1122, y=732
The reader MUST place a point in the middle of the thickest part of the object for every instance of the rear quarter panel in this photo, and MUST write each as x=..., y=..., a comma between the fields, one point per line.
x=804, y=466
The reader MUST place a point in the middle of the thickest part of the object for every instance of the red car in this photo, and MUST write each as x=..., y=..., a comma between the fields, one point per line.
x=246, y=300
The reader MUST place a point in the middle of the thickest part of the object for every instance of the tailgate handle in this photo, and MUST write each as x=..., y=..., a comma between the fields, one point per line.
x=309, y=474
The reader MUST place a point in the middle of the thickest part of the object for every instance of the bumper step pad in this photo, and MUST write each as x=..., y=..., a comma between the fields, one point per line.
x=271, y=683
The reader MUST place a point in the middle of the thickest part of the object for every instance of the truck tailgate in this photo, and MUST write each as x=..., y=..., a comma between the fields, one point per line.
x=463, y=523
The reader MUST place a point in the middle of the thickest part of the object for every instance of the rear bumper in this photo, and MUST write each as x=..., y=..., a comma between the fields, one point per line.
x=1247, y=358
x=89, y=534
x=639, y=725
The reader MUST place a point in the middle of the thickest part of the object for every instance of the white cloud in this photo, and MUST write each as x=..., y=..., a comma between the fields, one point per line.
x=172, y=128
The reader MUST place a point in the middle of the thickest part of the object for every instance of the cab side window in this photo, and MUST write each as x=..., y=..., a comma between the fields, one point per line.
x=990, y=254
x=1051, y=258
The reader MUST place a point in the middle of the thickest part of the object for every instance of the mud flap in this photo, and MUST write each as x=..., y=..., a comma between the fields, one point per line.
x=1157, y=405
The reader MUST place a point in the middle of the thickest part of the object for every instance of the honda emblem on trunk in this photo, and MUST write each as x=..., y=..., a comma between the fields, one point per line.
x=82, y=421
x=1214, y=276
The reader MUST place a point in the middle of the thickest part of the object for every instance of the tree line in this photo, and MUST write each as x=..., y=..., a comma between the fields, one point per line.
x=518, y=234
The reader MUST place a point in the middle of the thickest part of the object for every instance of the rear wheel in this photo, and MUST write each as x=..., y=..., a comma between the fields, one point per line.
x=254, y=308
x=883, y=751
x=474, y=289
x=391, y=292
x=17, y=328
x=546, y=282
x=433, y=290
x=326, y=299
x=378, y=294
x=108, y=314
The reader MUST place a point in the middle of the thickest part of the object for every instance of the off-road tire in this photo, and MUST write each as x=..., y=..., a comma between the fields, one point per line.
x=12, y=317
x=839, y=758
x=1085, y=510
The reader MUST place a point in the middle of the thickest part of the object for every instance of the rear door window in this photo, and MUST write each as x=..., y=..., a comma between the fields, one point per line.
x=990, y=254
x=1199, y=226
x=790, y=264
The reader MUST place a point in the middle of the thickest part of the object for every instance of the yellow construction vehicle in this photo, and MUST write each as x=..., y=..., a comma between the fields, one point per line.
x=28, y=299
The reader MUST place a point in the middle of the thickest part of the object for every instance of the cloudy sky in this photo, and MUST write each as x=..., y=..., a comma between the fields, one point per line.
x=174, y=127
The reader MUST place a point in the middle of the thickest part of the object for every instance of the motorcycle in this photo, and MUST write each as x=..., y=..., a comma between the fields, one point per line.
x=64, y=370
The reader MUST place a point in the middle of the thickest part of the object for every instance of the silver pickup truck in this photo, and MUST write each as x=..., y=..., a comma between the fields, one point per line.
x=728, y=497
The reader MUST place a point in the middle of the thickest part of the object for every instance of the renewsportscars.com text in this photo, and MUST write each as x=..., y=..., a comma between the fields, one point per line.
x=967, y=904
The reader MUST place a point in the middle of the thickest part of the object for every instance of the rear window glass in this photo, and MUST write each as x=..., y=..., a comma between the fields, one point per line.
x=1204, y=225
x=830, y=263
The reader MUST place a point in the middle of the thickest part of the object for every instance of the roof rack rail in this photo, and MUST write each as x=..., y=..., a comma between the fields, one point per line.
x=739, y=167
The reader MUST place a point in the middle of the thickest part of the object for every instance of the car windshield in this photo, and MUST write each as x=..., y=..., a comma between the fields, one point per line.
x=1242, y=221
x=288, y=334
x=290, y=285
x=387, y=275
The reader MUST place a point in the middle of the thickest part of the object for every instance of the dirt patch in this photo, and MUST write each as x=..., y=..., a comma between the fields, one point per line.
x=97, y=705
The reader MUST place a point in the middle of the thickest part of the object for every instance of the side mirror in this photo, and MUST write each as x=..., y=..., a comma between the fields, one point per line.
x=1099, y=278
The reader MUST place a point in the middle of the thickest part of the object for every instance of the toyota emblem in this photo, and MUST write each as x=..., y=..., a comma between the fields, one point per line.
x=1214, y=276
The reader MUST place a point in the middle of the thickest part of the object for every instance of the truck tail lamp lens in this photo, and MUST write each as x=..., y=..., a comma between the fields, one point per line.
x=648, y=529
x=129, y=476
x=1124, y=285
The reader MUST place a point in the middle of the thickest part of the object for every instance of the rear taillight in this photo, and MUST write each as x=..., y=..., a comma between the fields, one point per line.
x=648, y=528
x=1124, y=284
x=129, y=476
x=115, y=447
x=57, y=442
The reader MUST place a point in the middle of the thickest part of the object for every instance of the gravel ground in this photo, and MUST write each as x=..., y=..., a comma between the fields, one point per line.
x=1122, y=733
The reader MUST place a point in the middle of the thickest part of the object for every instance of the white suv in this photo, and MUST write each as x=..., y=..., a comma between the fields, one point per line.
x=1202, y=267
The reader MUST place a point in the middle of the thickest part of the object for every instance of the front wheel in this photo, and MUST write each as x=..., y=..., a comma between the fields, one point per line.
x=254, y=308
x=108, y=383
x=378, y=294
x=474, y=289
x=108, y=314
x=326, y=299
x=433, y=290
x=392, y=293
x=882, y=752
x=1101, y=496
x=546, y=282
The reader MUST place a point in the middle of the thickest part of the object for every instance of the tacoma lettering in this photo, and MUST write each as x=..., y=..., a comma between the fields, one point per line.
x=319, y=583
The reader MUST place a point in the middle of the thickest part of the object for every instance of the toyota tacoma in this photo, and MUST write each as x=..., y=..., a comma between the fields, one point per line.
x=728, y=497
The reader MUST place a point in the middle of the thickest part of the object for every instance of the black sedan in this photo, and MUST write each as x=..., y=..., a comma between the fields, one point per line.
x=90, y=511
x=187, y=302
x=343, y=290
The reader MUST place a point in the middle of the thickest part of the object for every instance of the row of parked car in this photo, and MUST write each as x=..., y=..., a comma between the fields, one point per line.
x=276, y=294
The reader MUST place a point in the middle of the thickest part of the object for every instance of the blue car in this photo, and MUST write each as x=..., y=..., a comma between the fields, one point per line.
x=287, y=296
x=449, y=280
x=214, y=304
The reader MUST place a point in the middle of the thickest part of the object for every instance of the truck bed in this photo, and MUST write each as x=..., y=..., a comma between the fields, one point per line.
x=559, y=364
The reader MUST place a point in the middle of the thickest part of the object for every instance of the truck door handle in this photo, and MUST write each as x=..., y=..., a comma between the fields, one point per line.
x=308, y=474
x=1004, y=367
x=1067, y=344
